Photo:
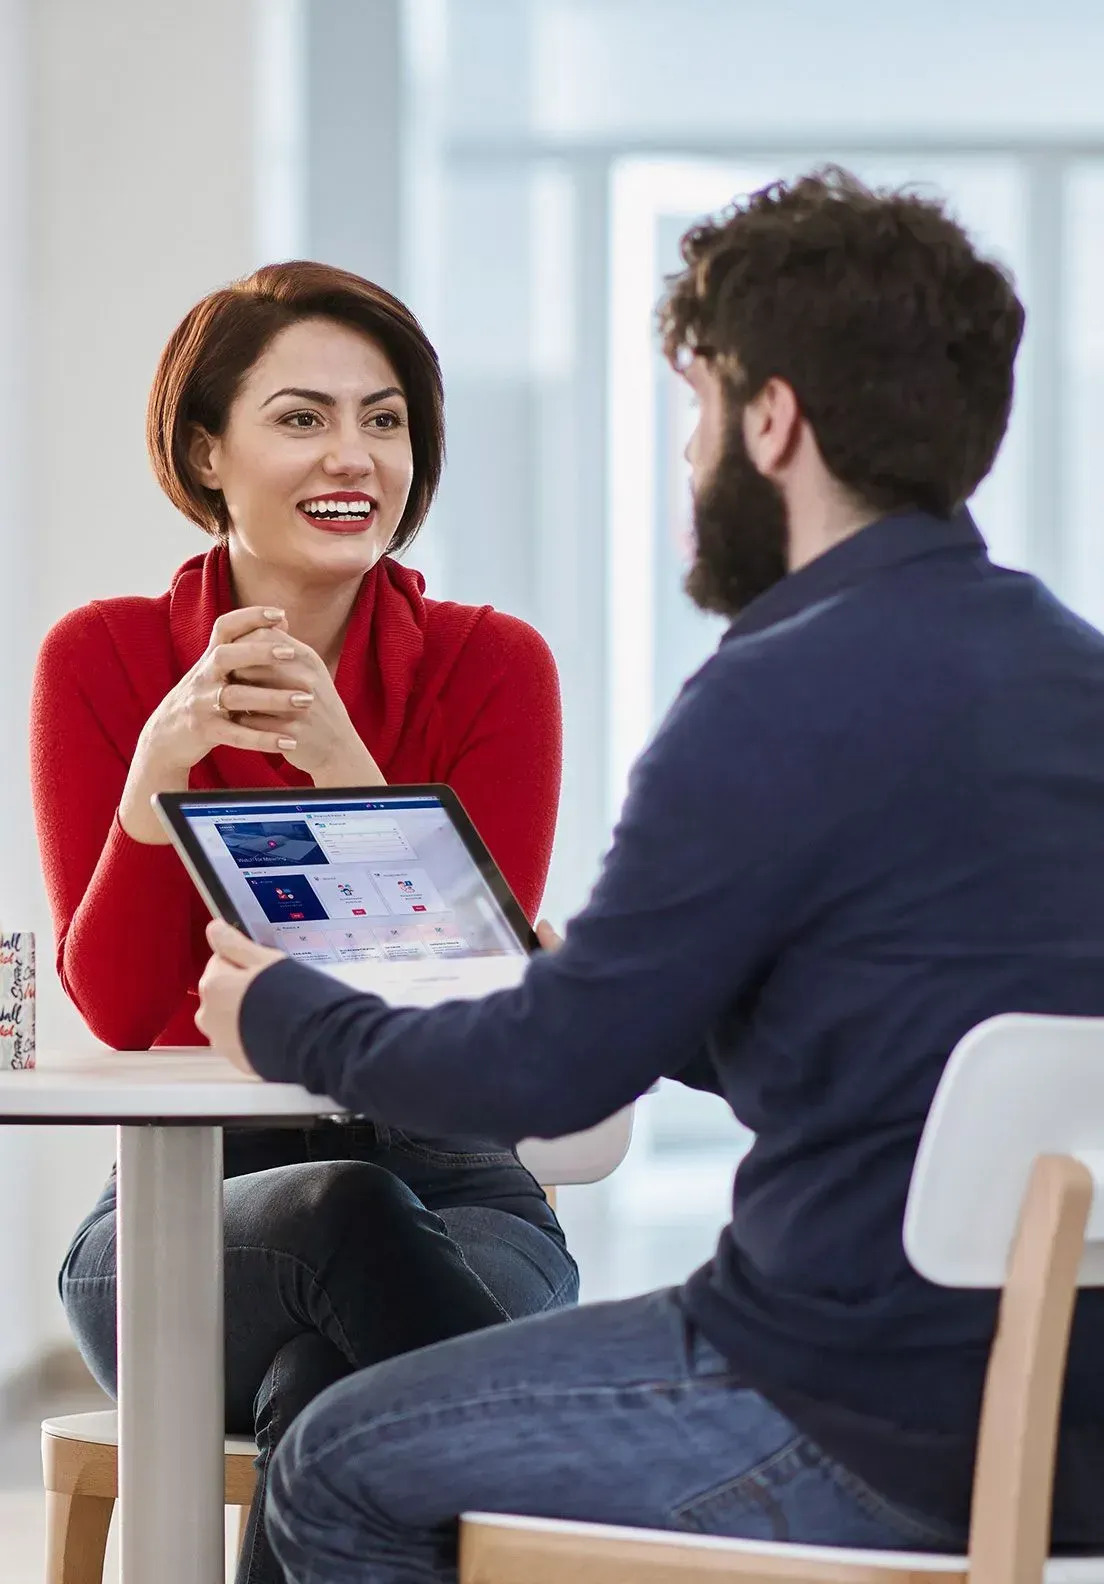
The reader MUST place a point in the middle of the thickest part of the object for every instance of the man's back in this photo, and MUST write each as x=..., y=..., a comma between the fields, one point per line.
x=952, y=827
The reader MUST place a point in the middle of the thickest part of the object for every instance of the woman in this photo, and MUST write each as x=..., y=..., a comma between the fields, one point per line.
x=297, y=417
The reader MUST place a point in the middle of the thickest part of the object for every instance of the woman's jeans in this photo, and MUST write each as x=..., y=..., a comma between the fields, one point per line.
x=617, y=1413
x=345, y=1245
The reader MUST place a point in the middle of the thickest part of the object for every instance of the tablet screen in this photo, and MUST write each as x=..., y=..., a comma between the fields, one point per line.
x=350, y=880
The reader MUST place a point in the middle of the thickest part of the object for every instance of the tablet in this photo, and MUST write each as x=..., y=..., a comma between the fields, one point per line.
x=390, y=890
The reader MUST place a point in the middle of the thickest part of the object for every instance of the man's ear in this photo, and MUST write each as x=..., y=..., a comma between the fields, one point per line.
x=203, y=451
x=772, y=426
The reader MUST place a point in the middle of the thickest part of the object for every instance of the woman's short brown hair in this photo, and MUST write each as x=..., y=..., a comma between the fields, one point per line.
x=215, y=345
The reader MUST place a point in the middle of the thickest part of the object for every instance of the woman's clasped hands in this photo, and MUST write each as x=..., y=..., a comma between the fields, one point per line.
x=255, y=687
x=275, y=694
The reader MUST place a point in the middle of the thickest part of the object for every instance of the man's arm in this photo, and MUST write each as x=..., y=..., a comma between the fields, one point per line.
x=700, y=885
x=698, y=1073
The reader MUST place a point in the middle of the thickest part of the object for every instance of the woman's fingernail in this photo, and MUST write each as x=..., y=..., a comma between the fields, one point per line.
x=272, y=614
x=287, y=742
x=283, y=652
x=301, y=700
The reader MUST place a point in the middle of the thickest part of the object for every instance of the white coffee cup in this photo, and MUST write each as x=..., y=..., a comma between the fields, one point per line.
x=17, y=999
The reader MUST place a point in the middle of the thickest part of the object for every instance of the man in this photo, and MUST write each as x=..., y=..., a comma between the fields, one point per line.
x=874, y=818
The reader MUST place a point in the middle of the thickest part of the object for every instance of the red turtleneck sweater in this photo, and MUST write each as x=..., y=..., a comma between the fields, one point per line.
x=437, y=692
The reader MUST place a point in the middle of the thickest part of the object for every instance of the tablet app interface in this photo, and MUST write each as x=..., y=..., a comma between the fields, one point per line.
x=353, y=882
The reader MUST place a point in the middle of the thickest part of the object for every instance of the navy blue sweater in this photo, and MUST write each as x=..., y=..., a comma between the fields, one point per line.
x=873, y=818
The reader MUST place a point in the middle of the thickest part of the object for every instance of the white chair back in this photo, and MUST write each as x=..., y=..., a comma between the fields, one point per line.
x=1016, y=1087
x=580, y=1157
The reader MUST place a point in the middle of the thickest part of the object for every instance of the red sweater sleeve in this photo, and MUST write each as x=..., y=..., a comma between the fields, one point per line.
x=507, y=764
x=122, y=910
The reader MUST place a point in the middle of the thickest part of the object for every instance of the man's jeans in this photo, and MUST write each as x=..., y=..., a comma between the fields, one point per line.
x=614, y=1413
x=344, y=1245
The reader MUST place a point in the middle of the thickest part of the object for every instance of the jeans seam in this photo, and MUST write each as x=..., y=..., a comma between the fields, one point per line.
x=274, y=1255
x=523, y=1253
x=452, y=1158
x=568, y=1284
x=245, y=1564
x=378, y=1427
x=879, y=1506
x=800, y=1451
x=316, y=1285
x=753, y=1480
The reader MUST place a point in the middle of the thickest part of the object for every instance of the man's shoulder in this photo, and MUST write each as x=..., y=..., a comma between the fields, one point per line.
x=859, y=664
x=935, y=626
x=846, y=637
x=905, y=661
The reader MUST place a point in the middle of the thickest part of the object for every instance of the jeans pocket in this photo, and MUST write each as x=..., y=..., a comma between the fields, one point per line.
x=799, y=1495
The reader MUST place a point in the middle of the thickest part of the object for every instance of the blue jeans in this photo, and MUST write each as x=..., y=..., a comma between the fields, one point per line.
x=614, y=1413
x=344, y=1245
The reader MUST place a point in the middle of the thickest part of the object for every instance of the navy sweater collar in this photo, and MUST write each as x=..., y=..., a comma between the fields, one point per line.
x=891, y=541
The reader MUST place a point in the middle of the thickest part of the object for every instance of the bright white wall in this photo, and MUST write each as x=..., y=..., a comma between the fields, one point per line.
x=143, y=125
x=139, y=143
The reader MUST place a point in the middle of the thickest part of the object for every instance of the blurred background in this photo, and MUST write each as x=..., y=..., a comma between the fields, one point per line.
x=520, y=172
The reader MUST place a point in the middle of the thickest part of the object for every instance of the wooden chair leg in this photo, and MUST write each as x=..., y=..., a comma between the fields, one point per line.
x=76, y=1537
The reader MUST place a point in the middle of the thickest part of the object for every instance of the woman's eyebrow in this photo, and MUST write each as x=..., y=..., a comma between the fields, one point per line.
x=325, y=400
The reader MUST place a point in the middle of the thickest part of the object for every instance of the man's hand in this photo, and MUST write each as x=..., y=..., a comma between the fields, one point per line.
x=547, y=936
x=226, y=978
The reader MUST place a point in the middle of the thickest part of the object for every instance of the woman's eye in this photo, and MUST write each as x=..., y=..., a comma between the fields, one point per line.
x=300, y=420
x=385, y=420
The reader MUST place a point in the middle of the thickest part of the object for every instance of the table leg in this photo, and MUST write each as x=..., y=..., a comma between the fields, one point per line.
x=171, y=1392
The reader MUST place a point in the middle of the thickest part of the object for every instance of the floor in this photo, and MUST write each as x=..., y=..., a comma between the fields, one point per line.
x=21, y=1526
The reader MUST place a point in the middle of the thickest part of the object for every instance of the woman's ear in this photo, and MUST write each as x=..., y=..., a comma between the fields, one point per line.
x=203, y=451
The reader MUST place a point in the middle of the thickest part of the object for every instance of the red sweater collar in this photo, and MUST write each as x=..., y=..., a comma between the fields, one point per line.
x=376, y=674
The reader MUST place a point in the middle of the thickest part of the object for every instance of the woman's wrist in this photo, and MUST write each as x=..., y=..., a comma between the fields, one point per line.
x=148, y=776
x=352, y=768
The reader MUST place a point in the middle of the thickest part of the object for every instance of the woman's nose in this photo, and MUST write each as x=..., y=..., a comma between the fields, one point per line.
x=351, y=455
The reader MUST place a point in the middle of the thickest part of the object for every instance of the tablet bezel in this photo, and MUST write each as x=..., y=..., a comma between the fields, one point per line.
x=167, y=806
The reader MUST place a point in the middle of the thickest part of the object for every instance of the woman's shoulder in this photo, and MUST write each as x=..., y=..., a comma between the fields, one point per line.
x=480, y=638
x=481, y=666
x=127, y=628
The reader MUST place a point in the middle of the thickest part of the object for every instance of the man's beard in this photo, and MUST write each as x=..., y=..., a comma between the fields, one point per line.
x=740, y=529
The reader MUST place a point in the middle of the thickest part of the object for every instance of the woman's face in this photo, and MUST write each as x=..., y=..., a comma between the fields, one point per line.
x=315, y=463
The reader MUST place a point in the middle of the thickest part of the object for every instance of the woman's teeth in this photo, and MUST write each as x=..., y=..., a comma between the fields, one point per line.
x=338, y=511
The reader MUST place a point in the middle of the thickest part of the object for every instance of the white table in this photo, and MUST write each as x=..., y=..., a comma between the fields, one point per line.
x=170, y=1108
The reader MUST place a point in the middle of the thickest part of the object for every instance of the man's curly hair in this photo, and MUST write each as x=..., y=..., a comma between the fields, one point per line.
x=896, y=336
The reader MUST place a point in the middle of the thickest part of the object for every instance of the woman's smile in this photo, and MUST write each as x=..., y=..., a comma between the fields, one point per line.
x=340, y=511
